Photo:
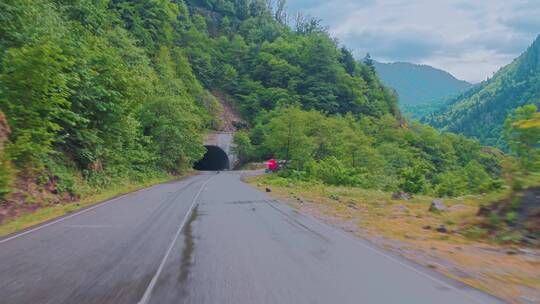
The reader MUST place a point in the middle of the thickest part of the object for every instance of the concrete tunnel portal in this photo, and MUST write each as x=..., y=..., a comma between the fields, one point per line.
x=215, y=159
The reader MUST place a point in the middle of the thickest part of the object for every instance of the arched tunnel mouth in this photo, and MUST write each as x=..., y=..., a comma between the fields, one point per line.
x=215, y=159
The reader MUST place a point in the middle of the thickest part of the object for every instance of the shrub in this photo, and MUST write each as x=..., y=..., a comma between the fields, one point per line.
x=477, y=179
x=511, y=217
x=242, y=146
x=331, y=171
x=494, y=219
x=413, y=181
x=510, y=237
x=450, y=184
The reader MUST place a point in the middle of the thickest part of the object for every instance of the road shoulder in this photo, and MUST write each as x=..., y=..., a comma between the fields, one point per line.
x=398, y=227
x=46, y=215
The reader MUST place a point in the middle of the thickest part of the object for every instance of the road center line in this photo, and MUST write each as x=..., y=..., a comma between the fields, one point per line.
x=148, y=292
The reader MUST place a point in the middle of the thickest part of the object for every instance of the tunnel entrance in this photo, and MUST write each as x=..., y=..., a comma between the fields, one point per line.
x=215, y=159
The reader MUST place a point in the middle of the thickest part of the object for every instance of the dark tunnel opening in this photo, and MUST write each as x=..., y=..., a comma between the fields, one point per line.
x=215, y=159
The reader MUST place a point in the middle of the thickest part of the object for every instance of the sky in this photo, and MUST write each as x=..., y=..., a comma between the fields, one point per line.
x=470, y=39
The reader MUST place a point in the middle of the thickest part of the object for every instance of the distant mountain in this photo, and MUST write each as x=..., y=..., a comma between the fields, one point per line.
x=419, y=84
x=480, y=112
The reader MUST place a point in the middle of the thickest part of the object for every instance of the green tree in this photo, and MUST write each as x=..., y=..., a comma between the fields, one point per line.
x=522, y=132
x=288, y=139
x=242, y=146
x=33, y=95
x=413, y=180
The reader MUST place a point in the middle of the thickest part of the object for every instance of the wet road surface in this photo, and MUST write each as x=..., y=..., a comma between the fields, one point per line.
x=208, y=239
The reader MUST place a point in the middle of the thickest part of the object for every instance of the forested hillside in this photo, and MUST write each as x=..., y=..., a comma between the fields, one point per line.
x=419, y=84
x=481, y=111
x=95, y=93
x=248, y=50
x=99, y=92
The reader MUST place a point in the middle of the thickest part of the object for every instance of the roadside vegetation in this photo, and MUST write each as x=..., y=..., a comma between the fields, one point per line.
x=373, y=153
x=26, y=218
x=95, y=94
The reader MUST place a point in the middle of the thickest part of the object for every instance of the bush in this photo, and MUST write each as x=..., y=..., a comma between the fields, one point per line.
x=450, y=184
x=332, y=172
x=66, y=178
x=478, y=180
x=413, y=181
x=242, y=146
x=510, y=237
x=512, y=217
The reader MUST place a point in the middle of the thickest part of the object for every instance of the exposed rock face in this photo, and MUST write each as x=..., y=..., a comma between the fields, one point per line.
x=437, y=206
x=230, y=119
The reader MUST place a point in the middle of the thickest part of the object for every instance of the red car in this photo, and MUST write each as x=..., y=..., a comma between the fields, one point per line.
x=272, y=165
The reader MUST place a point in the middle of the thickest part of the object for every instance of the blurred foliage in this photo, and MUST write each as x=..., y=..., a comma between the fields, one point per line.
x=522, y=133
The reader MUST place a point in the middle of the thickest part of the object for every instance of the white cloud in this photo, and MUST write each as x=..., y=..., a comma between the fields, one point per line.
x=469, y=39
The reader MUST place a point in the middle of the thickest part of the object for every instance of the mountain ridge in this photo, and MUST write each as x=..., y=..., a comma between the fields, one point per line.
x=480, y=111
x=418, y=84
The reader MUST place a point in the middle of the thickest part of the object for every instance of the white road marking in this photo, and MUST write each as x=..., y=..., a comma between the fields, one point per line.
x=148, y=291
x=90, y=226
x=73, y=215
x=62, y=219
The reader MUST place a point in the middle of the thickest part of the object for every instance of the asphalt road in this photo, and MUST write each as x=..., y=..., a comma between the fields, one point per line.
x=208, y=239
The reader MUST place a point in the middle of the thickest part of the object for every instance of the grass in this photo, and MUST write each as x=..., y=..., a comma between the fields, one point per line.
x=44, y=214
x=464, y=253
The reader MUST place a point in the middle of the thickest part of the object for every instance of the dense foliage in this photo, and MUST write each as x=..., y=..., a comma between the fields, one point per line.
x=113, y=89
x=375, y=153
x=419, y=84
x=99, y=86
x=253, y=55
x=481, y=111
x=522, y=133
